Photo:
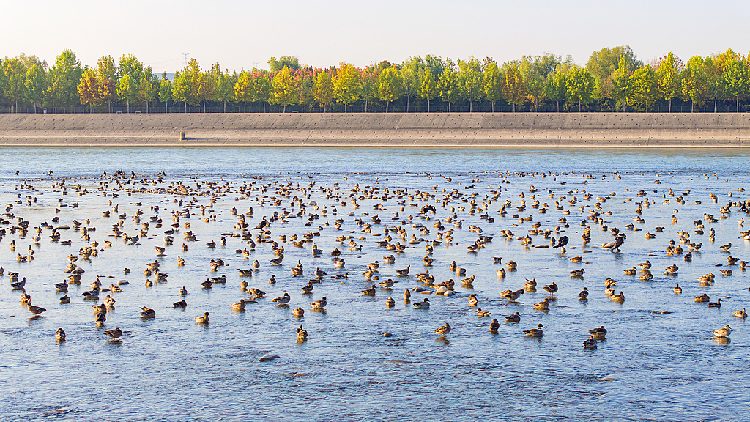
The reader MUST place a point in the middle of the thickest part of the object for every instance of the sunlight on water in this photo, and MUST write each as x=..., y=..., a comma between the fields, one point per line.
x=652, y=366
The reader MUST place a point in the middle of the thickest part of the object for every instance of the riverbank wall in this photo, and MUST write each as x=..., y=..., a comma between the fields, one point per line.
x=423, y=130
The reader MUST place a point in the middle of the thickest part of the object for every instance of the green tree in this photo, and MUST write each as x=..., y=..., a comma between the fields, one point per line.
x=450, y=90
x=284, y=61
x=470, y=80
x=493, y=83
x=15, y=80
x=514, y=87
x=411, y=71
x=88, y=89
x=580, y=85
x=557, y=86
x=185, y=88
x=107, y=80
x=223, y=83
x=64, y=77
x=368, y=83
x=36, y=83
x=284, y=91
x=602, y=65
x=165, y=91
x=668, y=74
x=346, y=84
x=148, y=88
x=127, y=89
x=714, y=81
x=390, y=85
x=737, y=79
x=534, y=71
x=622, y=88
x=323, y=90
x=694, y=82
x=645, y=88
x=429, y=88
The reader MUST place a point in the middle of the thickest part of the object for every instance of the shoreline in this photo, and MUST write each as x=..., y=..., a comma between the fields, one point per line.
x=379, y=130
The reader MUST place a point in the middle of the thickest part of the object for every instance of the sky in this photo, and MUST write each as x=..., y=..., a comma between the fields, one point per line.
x=245, y=34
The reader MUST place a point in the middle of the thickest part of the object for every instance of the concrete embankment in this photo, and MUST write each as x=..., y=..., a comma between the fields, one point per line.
x=458, y=130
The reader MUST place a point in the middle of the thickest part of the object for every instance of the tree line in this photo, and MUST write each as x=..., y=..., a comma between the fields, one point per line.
x=613, y=79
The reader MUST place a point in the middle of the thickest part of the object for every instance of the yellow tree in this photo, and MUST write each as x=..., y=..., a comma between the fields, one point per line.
x=284, y=89
x=514, y=89
x=88, y=89
x=323, y=89
x=346, y=84
x=106, y=75
x=389, y=85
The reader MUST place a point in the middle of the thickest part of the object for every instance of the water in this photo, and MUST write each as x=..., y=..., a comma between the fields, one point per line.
x=651, y=367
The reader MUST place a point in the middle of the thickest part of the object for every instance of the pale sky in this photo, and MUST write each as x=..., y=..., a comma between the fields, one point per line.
x=243, y=34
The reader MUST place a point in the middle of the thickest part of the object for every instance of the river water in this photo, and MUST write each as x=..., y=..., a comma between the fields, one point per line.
x=652, y=366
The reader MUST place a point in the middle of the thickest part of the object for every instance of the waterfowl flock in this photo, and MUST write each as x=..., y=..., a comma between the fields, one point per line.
x=318, y=239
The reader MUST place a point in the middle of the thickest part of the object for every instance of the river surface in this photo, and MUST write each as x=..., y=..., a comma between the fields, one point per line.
x=652, y=365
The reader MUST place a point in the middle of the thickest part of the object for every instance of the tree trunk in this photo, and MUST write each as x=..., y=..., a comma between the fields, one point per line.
x=493, y=106
x=185, y=106
x=386, y=106
x=738, y=104
x=670, y=104
x=34, y=102
x=166, y=107
x=558, y=105
x=579, y=105
x=225, y=106
x=471, y=106
x=536, y=107
x=692, y=106
x=146, y=107
x=408, y=98
x=715, y=106
x=16, y=106
x=127, y=106
x=428, y=105
x=514, y=107
x=284, y=109
x=365, y=104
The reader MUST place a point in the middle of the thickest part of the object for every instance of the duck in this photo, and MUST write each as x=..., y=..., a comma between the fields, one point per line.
x=677, y=289
x=584, y=294
x=473, y=301
x=239, y=306
x=298, y=312
x=590, y=343
x=645, y=265
x=369, y=292
x=740, y=314
x=598, y=333
x=183, y=291
x=702, y=298
x=116, y=333
x=390, y=302
x=147, y=312
x=407, y=296
x=65, y=299
x=494, y=326
x=60, y=335
x=424, y=304
x=551, y=288
x=284, y=299
x=723, y=332
x=404, y=272
x=543, y=305
x=483, y=314
x=320, y=304
x=181, y=304
x=530, y=285
x=630, y=271
x=716, y=304
x=513, y=318
x=619, y=298
x=301, y=334
x=534, y=332
x=445, y=329
x=36, y=310
x=202, y=319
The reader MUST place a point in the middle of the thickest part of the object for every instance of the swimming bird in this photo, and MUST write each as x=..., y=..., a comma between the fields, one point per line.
x=147, y=312
x=534, y=332
x=494, y=326
x=202, y=319
x=36, y=310
x=301, y=334
x=483, y=314
x=740, y=314
x=473, y=301
x=284, y=299
x=424, y=304
x=116, y=333
x=590, y=343
x=298, y=312
x=239, y=306
x=513, y=318
x=677, y=289
x=390, y=302
x=60, y=335
x=445, y=329
x=181, y=304
x=723, y=332
x=716, y=304
x=584, y=295
x=319, y=304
